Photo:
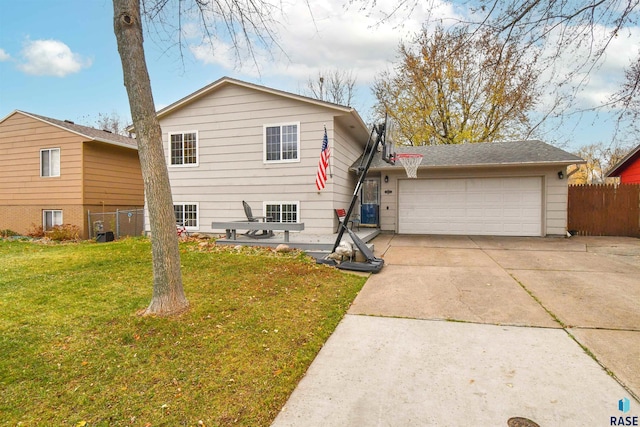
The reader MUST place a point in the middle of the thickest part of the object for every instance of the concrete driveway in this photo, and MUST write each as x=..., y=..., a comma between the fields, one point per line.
x=460, y=330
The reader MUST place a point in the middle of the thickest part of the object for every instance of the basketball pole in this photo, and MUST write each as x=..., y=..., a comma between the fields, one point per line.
x=380, y=131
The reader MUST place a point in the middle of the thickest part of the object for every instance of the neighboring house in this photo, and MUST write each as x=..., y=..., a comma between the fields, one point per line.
x=232, y=141
x=628, y=169
x=516, y=188
x=52, y=172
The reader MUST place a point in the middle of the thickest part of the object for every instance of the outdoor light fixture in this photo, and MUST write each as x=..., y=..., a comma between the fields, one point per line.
x=560, y=174
x=386, y=178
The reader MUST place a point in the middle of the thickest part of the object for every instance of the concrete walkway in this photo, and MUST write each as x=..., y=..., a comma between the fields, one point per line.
x=460, y=331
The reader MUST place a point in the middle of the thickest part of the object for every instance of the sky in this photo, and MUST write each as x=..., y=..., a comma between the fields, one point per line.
x=59, y=59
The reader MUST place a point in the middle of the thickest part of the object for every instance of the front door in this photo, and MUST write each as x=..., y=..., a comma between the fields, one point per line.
x=370, y=202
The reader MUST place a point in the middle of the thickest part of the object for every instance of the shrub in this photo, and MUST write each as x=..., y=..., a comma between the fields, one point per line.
x=7, y=233
x=35, y=231
x=63, y=232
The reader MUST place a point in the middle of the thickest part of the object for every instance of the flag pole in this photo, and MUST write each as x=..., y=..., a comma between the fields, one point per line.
x=330, y=170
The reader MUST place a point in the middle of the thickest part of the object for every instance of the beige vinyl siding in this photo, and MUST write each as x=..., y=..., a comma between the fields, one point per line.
x=21, y=139
x=554, y=197
x=230, y=125
x=557, y=194
x=347, y=151
x=112, y=176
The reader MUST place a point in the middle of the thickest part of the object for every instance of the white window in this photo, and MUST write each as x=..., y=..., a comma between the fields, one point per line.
x=50, y=162
x=282, y=143
x=51, y=218
x=186, y=215
x=183, y=149
x=282, y=211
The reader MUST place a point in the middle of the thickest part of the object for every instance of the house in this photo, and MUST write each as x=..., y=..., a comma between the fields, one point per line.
x=232, y=141
x=628, y=169
x=53, y=171
x=515, y=188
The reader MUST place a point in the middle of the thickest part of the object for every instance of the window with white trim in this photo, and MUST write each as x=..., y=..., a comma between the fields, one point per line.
x=282, y=211
x=186, y=215
x=282, y=143
x=49, y=162
x=183, y=149
x=51, y=218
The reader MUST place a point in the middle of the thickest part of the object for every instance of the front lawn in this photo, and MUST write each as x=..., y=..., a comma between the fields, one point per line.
x=74, y=352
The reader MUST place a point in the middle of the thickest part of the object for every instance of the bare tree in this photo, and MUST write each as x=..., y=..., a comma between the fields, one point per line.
x=110, y=122
x=337, y=86
x=628, y=97
x=242, y=22
x=600, y=158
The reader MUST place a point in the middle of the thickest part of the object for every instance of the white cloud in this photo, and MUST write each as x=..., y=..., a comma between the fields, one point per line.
x=4, y=56
x=326, y=35
x=323, y=35
x=51, y=58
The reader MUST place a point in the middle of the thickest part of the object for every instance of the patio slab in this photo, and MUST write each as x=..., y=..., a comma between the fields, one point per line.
x=587, y=299
x=619, y=351
x=404, y=372
x=471, y=294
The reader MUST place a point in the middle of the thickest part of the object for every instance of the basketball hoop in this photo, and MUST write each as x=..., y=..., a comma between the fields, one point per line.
x=410, y=162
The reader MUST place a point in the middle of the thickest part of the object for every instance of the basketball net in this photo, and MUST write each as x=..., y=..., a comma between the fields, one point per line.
x=410, y=162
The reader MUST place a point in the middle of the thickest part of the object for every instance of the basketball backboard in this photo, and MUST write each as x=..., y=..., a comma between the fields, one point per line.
x=388, y=144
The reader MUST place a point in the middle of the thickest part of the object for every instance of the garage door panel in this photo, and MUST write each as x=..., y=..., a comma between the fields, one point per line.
x=483, y=206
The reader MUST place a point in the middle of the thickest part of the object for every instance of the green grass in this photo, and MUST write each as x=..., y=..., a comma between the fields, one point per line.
x=74, y=352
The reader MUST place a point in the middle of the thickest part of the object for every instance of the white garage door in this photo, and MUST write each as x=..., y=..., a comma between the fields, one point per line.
x=472, y=206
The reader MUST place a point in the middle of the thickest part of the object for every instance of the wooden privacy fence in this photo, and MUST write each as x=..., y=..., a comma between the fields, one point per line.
x=604, y=210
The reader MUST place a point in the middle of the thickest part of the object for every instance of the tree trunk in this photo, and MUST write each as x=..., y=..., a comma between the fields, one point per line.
x=168, y=294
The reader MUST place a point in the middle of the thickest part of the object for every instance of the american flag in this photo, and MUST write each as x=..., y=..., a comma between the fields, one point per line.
x=323, y=163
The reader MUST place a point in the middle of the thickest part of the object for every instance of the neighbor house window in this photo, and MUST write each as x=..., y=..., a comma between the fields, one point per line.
x=186, y=214
x=282, y=143
x=50, y=162
x=282, y=211
x=183, y=148
x=51, y=218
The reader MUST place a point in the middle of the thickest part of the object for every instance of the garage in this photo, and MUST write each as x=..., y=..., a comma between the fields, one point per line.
x=500, y=206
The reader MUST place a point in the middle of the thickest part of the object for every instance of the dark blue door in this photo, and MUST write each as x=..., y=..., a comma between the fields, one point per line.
x=370, y=202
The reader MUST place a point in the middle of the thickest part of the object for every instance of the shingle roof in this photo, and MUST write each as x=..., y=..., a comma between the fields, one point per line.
x=509, y=153
x=88, y=132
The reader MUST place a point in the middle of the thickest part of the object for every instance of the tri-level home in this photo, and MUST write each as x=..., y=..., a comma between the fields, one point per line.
x=53, y=171
x=232, y=141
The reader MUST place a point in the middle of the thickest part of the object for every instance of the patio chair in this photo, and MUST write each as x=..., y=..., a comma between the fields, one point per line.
x=256, y=234
x=342, y=214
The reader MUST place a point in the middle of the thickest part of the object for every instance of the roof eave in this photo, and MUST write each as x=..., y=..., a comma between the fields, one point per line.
x=482, y=165
x=623, y=164
x=118, y=144
x=228, y=80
